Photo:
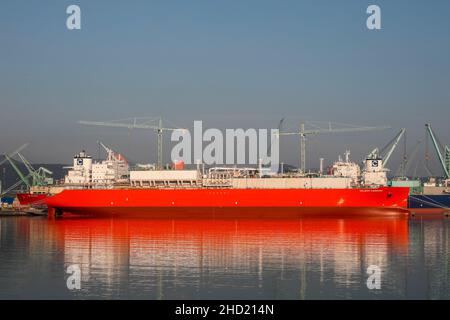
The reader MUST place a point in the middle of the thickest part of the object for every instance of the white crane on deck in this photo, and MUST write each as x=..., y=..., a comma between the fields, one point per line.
x=155, y=124
x=331, y=128
x=388, y=150
x=111, y=154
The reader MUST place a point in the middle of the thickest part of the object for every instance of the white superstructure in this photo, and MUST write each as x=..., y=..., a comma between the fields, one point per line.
x=81, y=171
x=114, y=169
x=346, y=168
x=374, y=173
x=145, y=178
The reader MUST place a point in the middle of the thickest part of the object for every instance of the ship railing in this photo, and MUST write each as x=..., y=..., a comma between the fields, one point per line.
x=241, y=172
x=217, y=184
x=76, y=186
x=218, y=179
x=166, y=183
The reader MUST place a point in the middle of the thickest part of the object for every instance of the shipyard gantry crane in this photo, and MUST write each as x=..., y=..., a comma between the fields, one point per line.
x=41, y=176
x=444, y=155
x=155, y=124
x=331, y=128
x=23, y=178
x=35, y=177
x=13, y=153
x=10, y=155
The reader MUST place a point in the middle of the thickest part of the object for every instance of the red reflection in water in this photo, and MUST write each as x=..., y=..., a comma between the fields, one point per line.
x=289, y=233
x=176, y=258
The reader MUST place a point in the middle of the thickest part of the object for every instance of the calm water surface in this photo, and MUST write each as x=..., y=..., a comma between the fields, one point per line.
x=308, y=258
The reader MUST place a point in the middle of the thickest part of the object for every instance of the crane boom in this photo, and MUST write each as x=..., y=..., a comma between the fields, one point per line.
x=26, y=163
x=110, y=152
x=107, y=149
x=404, y=167
x=303, y=133
x=394, y=146
x=39, y=176
x=342, y=130
x=331, y=130
x=13, y=153
x=15, y=185
x=123, y=125
x=390, y=147
x=443, y=159
x=413, y=153
x=19, y=173
x=133, y=123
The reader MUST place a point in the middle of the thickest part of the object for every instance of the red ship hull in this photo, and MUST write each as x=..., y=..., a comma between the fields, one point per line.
x=28, y=199
x=225, y=202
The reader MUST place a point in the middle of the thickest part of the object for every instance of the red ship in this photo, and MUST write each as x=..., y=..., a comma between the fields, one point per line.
x=29, y=199
x=190, y=202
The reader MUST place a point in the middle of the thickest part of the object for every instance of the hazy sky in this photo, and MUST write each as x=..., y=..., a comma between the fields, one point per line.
x=228, y=63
